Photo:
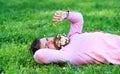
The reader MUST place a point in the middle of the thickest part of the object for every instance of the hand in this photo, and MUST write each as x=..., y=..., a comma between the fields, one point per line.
x=59, y=16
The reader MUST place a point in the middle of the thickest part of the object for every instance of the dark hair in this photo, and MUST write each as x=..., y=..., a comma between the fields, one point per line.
x=35, y=46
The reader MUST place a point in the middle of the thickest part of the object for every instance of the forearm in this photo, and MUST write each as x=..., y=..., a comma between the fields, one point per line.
x=76, y=20
x=74, y=17
x=45, y=56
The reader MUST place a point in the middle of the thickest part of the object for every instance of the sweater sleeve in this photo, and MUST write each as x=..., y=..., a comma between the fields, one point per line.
x=45, y=56
x=76, y=20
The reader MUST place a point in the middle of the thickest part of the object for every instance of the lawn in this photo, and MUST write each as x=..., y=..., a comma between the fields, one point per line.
x=23, y=20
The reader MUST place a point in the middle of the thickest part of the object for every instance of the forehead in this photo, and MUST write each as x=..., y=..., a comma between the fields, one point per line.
x=42, y=42
x=42, y=39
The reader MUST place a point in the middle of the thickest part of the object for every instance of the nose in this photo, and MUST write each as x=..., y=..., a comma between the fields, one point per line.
x=50, y=40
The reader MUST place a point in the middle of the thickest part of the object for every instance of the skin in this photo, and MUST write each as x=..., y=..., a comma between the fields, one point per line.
x=49, y=42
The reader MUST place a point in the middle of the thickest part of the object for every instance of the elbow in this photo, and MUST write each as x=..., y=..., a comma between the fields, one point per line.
x=75, y=17
x=38, y=58
x=80, y=18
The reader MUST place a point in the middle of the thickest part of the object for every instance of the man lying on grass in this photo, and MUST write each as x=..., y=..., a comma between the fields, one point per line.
x=77, y=48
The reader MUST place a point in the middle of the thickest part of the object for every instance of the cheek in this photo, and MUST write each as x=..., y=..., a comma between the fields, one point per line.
x=52, y=46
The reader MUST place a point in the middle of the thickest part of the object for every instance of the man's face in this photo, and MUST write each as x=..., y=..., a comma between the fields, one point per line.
x=47, y=43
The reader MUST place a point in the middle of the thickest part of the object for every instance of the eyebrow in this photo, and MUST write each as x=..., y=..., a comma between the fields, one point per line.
x=46, y=39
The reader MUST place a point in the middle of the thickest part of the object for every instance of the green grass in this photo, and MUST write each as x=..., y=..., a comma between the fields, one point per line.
x=23, y=20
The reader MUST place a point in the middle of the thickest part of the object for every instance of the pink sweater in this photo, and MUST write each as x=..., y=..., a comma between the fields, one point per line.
x=84, y=48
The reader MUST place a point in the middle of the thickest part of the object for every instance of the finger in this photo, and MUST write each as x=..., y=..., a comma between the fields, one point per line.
x=54, y=20
x=58, y=12
x=57, y=17
x=57, y=20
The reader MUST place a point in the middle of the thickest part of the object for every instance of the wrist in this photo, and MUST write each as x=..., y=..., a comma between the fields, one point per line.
x=64, y=15
x=67, y=14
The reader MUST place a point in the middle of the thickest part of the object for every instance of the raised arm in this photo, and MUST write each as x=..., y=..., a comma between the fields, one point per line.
x=75, y=18
x=45, y=56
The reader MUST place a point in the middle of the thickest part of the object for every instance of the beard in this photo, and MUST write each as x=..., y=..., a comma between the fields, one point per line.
x=61, y=41
x=56, y=40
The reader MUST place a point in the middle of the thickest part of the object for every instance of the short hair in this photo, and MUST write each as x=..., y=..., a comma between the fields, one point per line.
x=35, y=46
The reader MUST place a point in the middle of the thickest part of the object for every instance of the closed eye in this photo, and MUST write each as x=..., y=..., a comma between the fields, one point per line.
x=46, y=45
